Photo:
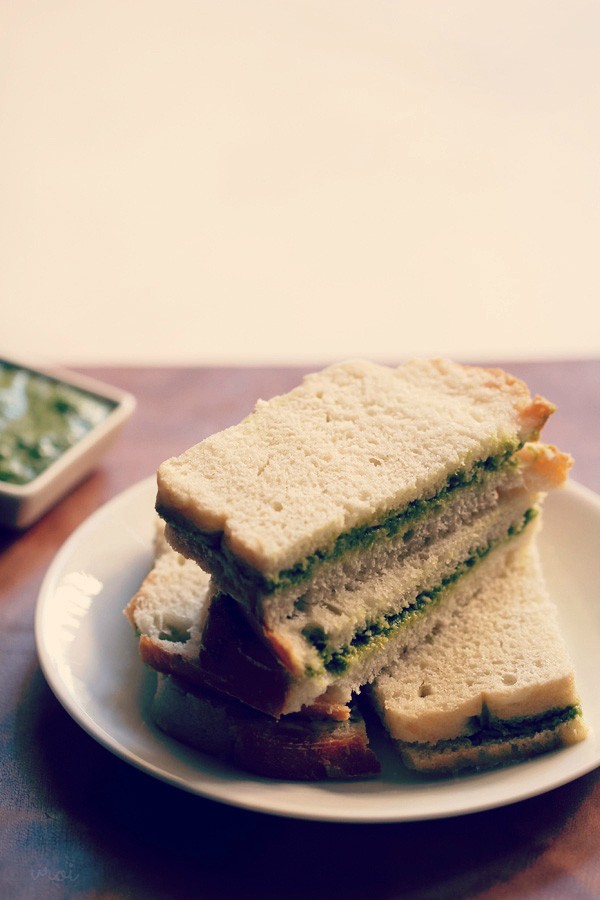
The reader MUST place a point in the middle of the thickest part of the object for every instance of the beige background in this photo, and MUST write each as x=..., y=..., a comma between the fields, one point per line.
x=228, y=181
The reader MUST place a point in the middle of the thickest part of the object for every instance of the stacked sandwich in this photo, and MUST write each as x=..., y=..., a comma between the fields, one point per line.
x=373, y=527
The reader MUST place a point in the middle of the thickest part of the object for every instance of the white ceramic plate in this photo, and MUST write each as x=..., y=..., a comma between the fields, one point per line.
x=89, y=656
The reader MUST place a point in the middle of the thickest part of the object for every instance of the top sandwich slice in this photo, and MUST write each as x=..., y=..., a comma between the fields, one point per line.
x=302, y=476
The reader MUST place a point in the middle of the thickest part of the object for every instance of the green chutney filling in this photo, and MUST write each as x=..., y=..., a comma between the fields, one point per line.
x=496, y=730
x=40, y=419
x=243, y=580
x=337, y=661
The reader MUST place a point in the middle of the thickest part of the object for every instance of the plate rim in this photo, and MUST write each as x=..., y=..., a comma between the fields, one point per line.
x=268, y=804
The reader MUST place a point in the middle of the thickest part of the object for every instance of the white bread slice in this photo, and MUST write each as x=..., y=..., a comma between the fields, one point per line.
x=498, y=664
x=342, y=450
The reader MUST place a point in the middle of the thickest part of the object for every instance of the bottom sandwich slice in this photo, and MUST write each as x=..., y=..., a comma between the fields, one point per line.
x=494, y=684
x=294, y=747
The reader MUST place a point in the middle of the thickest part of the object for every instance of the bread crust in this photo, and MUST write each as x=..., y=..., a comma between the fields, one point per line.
x=292, y=748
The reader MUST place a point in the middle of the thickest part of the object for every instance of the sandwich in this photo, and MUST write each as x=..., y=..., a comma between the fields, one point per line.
x=493, y=684
x=169, y=613
x=370, y=533
x=338, y=519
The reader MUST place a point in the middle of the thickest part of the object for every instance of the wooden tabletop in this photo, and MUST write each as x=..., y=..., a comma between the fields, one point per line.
x=76, y=821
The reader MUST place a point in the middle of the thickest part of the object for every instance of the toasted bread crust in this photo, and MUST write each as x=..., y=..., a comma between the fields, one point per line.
x=293, y=748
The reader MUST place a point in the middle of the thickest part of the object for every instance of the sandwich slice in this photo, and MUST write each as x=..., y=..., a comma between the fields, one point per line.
x=169, y=613
x=493, y=684
x=338, y=516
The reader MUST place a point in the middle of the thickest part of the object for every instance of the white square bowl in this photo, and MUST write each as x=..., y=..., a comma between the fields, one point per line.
x=22, y=504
